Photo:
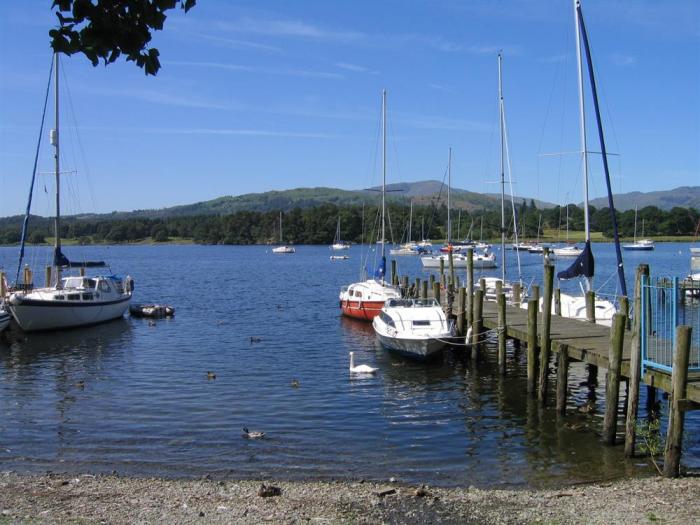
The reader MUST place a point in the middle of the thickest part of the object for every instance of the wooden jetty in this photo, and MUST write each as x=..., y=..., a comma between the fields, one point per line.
x=617, y=348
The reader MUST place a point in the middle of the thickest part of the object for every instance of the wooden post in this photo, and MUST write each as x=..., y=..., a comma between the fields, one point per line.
x=461, y=305
x=47, y=276
x=482, y=284
x=499, y=288
x=676, y=416
x=546, y=329
x=432, y=280
x=635, y=363
x=612, y=383
x=501, y=298
x=452, y=269
x=470, y=286
x=394, y=276
x=517, y=294
x=532, y=308
x=562, y=378
x=535, y=288
x=404, y=284
x=478, y=324
x=625, y=308
x=3, y=291
x=442, y=267
x=82, y=271
x=424, y=290
x=436, y=292
x=590, y=306
x=557, y=301
x=416, y=291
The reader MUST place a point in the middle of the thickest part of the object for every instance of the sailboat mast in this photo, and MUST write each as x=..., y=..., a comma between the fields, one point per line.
x=410, y=222
x=449, y=185
x=280, y=227
x=635, y=224
x=383, y=168
x=54, y=142
x=503, y=171
x=582, y=121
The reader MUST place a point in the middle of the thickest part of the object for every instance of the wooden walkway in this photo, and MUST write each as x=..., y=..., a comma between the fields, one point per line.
x=586, y=342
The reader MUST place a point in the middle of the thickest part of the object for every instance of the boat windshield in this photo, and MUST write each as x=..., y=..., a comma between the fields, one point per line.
x=412, y=303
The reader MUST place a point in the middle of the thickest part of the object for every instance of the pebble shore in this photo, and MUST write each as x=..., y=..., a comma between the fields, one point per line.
x=112, y=499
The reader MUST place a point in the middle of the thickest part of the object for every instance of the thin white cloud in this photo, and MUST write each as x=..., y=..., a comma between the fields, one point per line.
x=257, y=69
x=289, y=28
x=237, y=43
x=355, y=68
x=155, y=97
x=441, y=123
x=623, y=60
x=238, y=132
x=442, y=88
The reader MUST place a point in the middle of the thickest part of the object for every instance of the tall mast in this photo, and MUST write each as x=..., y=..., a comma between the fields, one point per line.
x=449, y=185
x=383, y=168
x=410, y=222
x=582, y=121
x=635, y=224
x=54, y=142
x=503, y=171
x=280, y=227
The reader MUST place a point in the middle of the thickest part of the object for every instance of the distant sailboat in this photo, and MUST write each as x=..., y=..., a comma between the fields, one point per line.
x=339, y=244
x=641, y=244
x=283, y=248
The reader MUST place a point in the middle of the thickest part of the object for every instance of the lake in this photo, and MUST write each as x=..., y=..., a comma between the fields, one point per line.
x=132, y=396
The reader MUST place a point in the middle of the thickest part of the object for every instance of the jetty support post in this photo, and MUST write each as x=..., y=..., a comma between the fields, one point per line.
x=424, y=290
x=612, y=382
x=478, y=325
x=48, y=276
x=416, y=290
x=452, y=270
x=562, y=378
x=482, y=284
x=590, y=306
x=404, y=285
x=3, y=291
x=545, y=340
x=517, y=294
x=635, y=363
x=436, y=292
x=394, y=276
x=676, y=416
x=535, y=289
x=502, y=329
x=442, y=273
x=532, y=308
x=461, y=306
x=625, y=308
x=499, y=288
x=557, y=301
x=470, y=286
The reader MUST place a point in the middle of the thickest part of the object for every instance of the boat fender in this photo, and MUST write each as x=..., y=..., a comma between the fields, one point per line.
x=129, y=284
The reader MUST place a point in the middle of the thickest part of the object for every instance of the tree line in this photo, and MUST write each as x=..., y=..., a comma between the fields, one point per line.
x=317, y=225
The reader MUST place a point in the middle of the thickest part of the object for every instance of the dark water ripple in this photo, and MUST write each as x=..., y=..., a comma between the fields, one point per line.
x=135, y=398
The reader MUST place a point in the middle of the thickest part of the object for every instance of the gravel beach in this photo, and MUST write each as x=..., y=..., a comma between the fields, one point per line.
x=112, y=499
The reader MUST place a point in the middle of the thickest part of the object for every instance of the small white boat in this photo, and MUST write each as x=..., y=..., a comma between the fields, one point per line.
x=284, y=249
x=568, y=251
x=339, y=257
x=642, y=244
x=157, y=311
x=459, y=260
x=574, y=307
x=414, y=327
x=4, y=319
x=410, y=248
x=338, y=244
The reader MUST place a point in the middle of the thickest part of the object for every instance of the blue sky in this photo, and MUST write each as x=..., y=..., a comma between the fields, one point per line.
x=256, y=96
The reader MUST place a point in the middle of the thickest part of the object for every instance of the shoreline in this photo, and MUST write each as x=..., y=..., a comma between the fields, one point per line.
x=62, y=498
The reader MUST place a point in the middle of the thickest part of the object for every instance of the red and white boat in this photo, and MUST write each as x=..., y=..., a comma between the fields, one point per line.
x=365, y=299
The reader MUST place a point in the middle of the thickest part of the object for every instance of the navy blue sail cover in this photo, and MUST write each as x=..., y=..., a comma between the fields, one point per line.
x=61, y=261
x=582, y=266
x=380, y=272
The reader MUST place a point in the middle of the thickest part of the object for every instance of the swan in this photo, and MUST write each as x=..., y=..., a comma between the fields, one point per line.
x=360, y=369
x=248, y=434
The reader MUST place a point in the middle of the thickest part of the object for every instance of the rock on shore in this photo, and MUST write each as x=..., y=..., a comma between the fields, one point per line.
x=113, y=499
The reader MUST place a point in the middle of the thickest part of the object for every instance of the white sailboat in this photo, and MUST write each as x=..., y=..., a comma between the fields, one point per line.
x=70, y=301
x=283, y=249
x=409, y=247
x=364, y=300
x=641, y=244
x=339, y=244
x=574, y=306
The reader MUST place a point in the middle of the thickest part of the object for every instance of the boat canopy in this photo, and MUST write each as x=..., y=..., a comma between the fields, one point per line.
x=61, y=261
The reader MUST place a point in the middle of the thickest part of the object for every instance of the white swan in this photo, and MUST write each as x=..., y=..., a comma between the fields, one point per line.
x=360, y=369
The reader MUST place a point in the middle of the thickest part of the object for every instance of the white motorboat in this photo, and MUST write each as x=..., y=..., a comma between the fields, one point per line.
x=4, y=319
x=405, y=249
x=574, y=307
x=459, y=260
x=567, y=251
x=339, y=257
x=284, y=248
x=363, y=300
x=414, y=327
x=71, y=301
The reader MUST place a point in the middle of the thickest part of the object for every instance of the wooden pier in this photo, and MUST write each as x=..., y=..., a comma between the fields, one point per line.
x=618, y=348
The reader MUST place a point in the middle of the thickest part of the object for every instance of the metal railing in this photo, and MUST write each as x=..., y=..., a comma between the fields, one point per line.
x=663, y=309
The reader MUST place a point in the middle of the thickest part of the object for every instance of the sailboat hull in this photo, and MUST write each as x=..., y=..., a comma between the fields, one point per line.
x=34, y=315
x=363, y=310
x=4, y=320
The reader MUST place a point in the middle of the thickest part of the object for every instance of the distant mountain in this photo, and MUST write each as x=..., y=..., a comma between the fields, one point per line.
x=684, y=197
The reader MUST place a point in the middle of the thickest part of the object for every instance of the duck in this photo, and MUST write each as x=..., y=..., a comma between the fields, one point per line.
x=295, y=383
x=360, y=369
x=211, y=375
x=588, y=407
x=247, y=434
x=254, y=339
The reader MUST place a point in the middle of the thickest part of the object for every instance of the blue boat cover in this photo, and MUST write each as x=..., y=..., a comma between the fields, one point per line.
x=582, y=266
x=61, y=261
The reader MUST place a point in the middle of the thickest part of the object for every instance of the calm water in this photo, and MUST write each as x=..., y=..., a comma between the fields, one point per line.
x=132, y=397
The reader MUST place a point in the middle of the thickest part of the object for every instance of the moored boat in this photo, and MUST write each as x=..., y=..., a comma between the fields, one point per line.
x=416, y=328
x=4, y=319
x=151, y=310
